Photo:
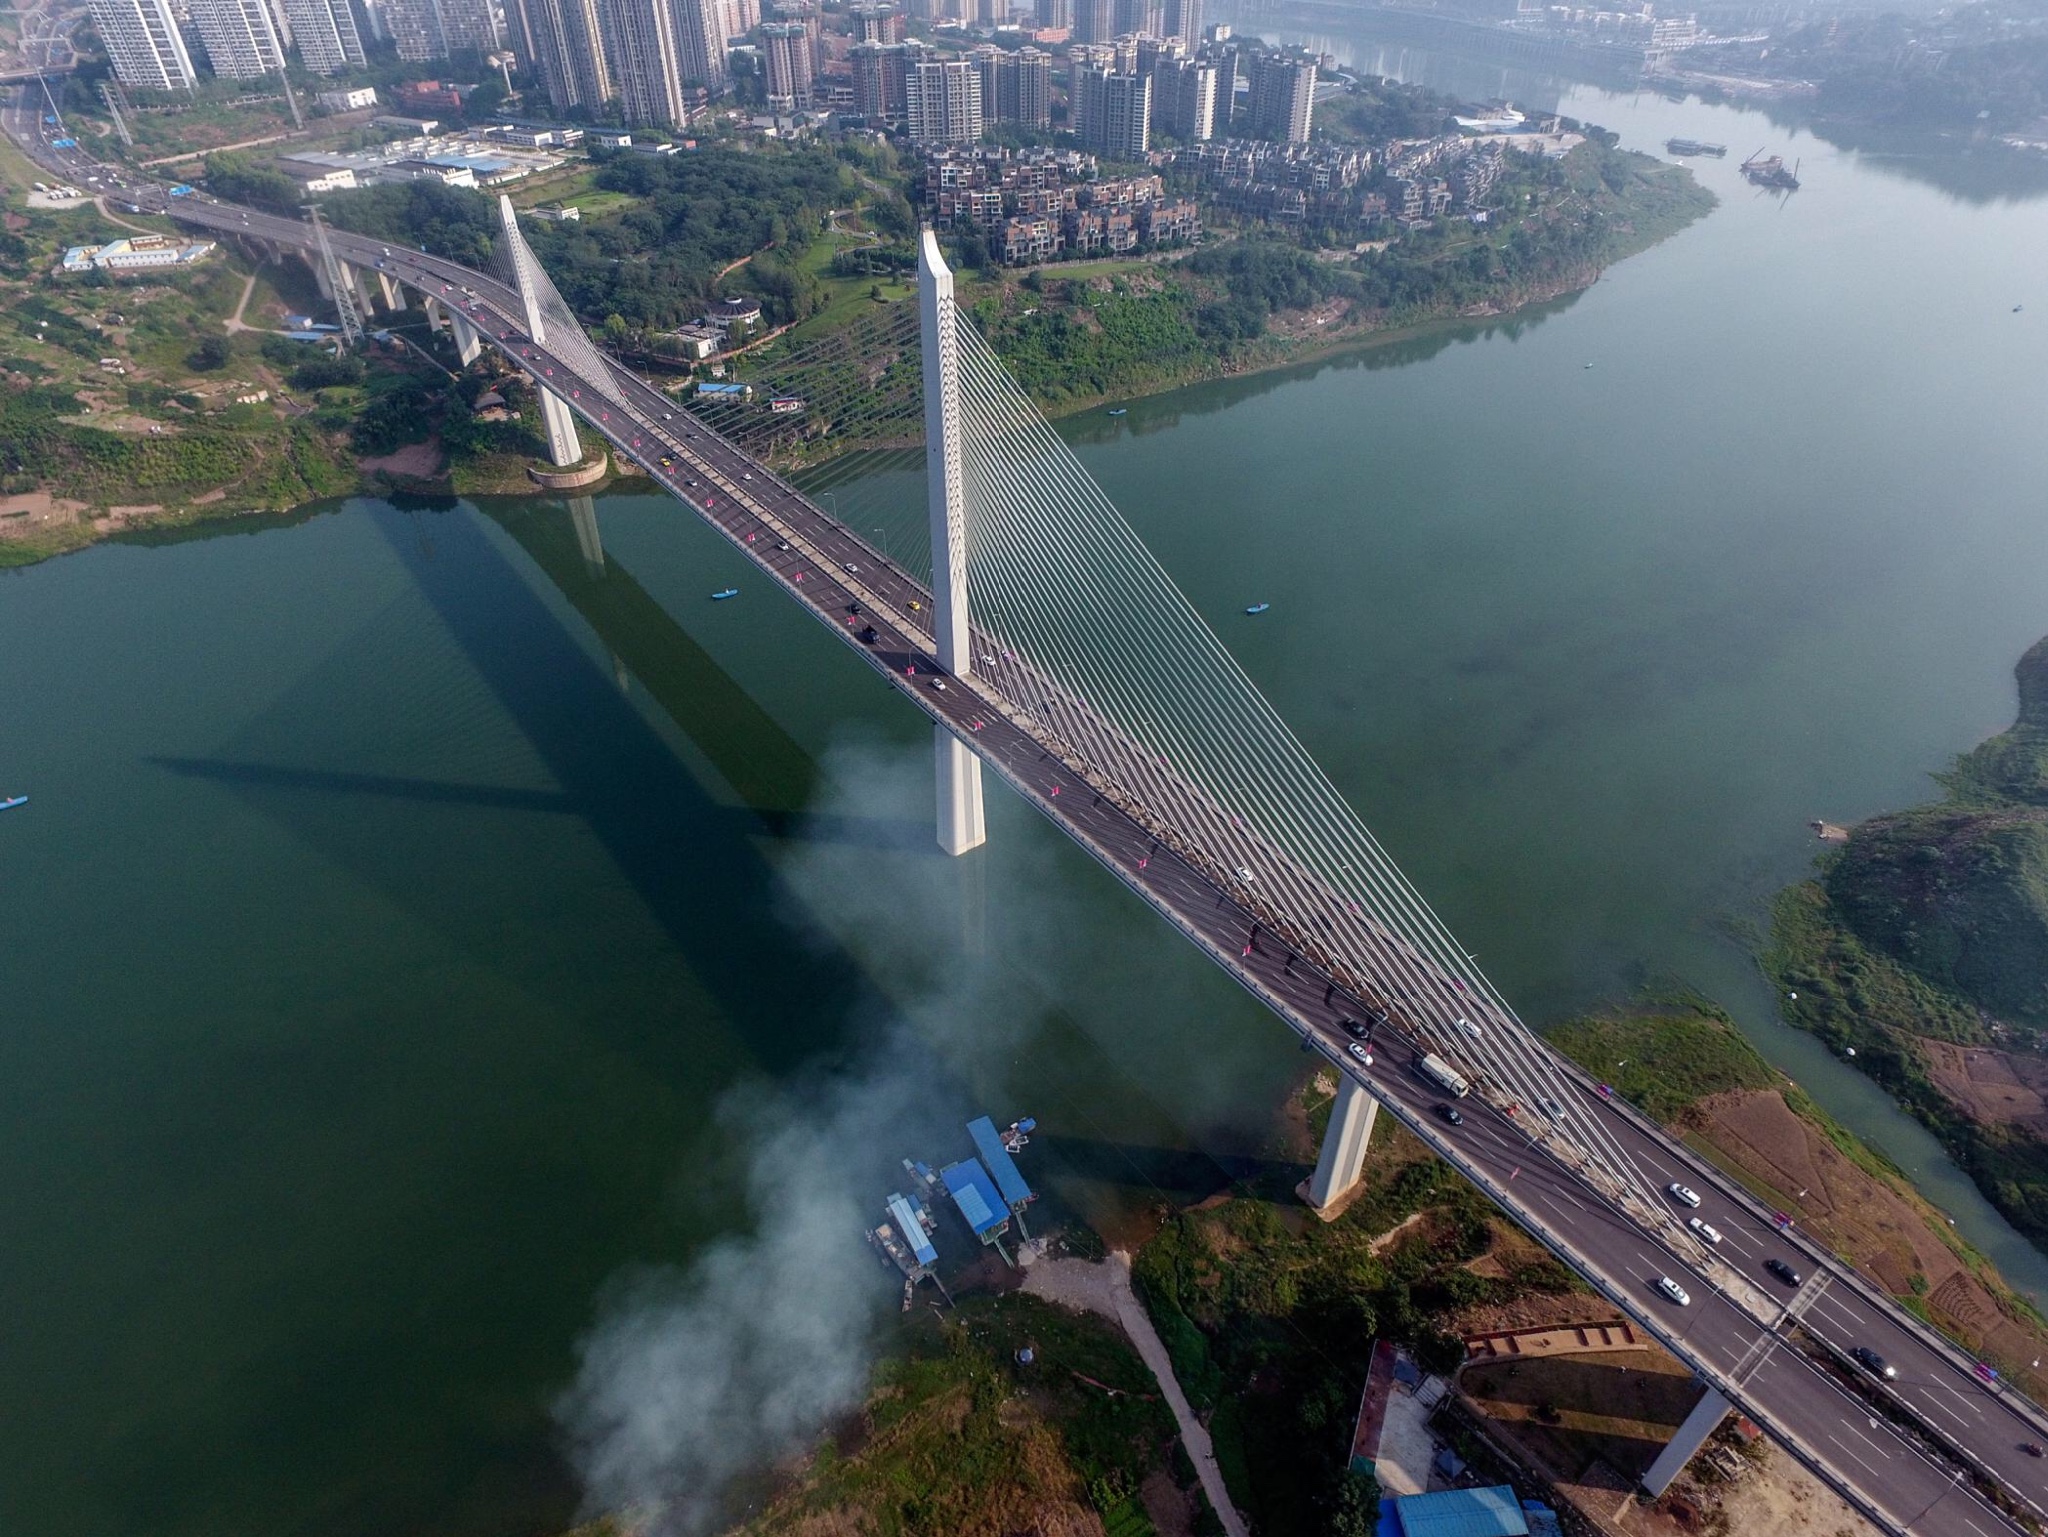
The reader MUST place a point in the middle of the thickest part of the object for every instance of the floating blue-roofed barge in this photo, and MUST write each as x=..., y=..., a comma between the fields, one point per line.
x=988, y=1190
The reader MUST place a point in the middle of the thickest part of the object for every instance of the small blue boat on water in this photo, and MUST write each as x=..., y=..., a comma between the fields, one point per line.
x=1258, y=608
x=724, y=593
x=10, y=802
x=1120, y=411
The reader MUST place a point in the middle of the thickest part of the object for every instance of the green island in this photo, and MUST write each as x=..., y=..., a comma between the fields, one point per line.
x=143, y=402
x=1922, y=947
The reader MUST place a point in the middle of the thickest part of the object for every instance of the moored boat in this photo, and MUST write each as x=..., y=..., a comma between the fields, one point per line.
x=724, y=593
x=10, y=802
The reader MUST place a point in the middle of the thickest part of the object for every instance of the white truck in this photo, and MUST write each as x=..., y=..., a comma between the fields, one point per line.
x=1442, y=1074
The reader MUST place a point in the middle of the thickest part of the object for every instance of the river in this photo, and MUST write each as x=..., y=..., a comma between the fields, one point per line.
x=413, y=929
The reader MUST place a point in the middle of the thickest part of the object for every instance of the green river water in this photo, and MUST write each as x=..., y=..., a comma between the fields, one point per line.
x=413, y=931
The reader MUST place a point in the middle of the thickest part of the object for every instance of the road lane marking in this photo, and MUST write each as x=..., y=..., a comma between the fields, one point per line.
x=1851, y=1452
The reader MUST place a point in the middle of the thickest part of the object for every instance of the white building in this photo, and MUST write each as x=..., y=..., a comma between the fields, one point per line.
x=132, y=254
x=347, y=101
x=942, y=102
x=143, y=44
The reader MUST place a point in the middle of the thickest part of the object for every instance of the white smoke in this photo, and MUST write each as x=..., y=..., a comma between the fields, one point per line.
x=693, y=1378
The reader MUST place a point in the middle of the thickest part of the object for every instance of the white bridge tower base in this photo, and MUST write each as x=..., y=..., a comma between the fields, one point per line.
x=961, y=822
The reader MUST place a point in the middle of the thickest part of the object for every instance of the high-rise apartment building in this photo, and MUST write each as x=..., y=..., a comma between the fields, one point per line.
x=1148, y=53
x=1126, y=117
x=1094, y=21
x=1283, y=97
x=143, y=44
x=700, y=40
x=477, y=24
x=942, y=102
x=1111, y=112
x=1184, y=21
x=325, y=31
x=415, y=29
x=874, y=22
x=564, y=41
x=240, y=38
x=640, y=47
x=1054, y=15
x=1015, y=87
x=878, y=81
x=1184, y=100
x=1138, y=18
x=786, y=52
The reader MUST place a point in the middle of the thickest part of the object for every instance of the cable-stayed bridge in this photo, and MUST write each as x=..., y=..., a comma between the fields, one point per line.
x=1048, y=646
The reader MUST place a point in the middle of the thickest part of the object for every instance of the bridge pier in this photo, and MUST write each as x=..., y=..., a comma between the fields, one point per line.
x=468, y=346
x=961, y=823
x=1704, y=1420
x=394, y=296
x=321, y=280
x=1342, y=1159
x=564, y=448
x=437, y=317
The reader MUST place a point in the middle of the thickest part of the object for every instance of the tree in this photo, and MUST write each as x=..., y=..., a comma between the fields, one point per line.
x=211, y=353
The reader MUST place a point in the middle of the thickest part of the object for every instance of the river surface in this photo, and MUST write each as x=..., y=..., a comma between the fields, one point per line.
x=414, y=926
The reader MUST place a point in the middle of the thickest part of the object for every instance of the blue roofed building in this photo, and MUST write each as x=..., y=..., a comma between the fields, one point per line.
x=1491, y=1512
x=980, y=1203
x=912, y=1230
x=995, y=1157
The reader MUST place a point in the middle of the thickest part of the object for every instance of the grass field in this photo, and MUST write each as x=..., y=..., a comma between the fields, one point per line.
x=1663, y=1059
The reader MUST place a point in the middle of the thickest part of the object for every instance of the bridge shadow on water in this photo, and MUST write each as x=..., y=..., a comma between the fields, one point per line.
x=1183, y=1175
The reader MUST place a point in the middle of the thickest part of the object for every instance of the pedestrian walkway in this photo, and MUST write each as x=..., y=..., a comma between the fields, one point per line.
x=1105, y=1288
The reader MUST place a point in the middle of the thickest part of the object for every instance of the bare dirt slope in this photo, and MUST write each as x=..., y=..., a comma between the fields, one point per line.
x=1887, y=1231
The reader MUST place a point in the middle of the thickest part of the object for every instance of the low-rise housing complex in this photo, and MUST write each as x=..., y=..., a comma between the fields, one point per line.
x=136, y=253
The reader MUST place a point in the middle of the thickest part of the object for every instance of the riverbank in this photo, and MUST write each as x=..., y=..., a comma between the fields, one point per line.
x=1119, y=331
x=1920, y=953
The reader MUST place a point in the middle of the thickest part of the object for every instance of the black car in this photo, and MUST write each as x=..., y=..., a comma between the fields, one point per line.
x=1450, y=1113
x=868, y=635
x=1356, y=1029
x=1782, y=1271
x=1873, y=1363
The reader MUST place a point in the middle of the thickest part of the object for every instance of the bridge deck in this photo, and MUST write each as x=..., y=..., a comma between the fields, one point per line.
x=1728, y=1333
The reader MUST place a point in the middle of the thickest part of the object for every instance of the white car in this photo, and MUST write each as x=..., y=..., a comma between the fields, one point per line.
x=1685, y=1195
x=1471, y=1029
x=1244, y=872
x=1673, y=1290
x=1360, y=1052
x=1706, y=1230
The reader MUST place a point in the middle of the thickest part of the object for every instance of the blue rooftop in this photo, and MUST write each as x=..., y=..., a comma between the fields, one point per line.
x=999, y=1162
x=912, y=1230
x=1493, y=1512
x=975, y=1194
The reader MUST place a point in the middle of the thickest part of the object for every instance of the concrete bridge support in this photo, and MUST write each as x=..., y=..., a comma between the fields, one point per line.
x=394, y=296
x=468, y=345
x=1704, y=1420
x=564, y=448
x=321, y=280
x=437, y=317
x=1342, y=1160
x=583, y=515
x=961, y=822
